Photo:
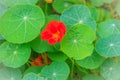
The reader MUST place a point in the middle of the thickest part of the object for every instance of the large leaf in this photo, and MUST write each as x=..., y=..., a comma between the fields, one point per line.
x=109, y=47
x=92, y=77
x=109, y=27
x=110, y=70
x=41, y=46
x=60, y=5
x=77, y=14
x=32, y=76
x=23, y=23
x=56, y=71
x=77, y=43
x=14, y=55
x=9, y=3
x=91, y=62
x=10, y=74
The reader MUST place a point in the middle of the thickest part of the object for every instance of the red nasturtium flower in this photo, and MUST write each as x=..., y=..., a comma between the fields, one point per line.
x=39, y=61
x=54, y=32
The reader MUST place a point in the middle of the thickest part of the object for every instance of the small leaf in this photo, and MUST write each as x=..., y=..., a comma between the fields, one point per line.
x=56, y=71
x=14, y=55
x=32, y=76
x=110, y=70
x=91, y=62
x=41, y=46
x=109, y=27
x=61, y=5
x=77, y=14
x=57, y=56
x=23, y=23
x=10, y=74
x=109, y=47
x=77, y=43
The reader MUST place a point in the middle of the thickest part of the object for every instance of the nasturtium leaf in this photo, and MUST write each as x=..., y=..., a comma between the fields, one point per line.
x=94, y=13
x=109, y=27
x=77, y=43
x=34, y=69
x=41, y=46
x=14, y=55
x=23, y=23
x=110, y=70
x=56, y=71
x=91, y=62
x=57, y=56
x=10, y=74
x=77, y=14
x=9, y=3
x=61, y=5
x=109, y=47
x=118, y=8
x=32, y=76
x=92, y=77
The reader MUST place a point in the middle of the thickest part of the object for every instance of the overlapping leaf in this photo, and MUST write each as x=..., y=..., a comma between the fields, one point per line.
x=77, y=14
x=56, y=71
x=77, y=43
x=109, y=47
x=14, y=55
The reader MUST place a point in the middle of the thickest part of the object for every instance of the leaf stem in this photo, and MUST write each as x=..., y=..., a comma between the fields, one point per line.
x=46, y=7
x=72, y=68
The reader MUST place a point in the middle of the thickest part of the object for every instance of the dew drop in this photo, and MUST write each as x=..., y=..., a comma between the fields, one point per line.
x=80, y=21
x=15, y=52
x=111, y=45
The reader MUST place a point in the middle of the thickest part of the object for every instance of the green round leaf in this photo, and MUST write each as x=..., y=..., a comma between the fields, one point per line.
x=34, y=69
x=77, y=14
x=91, y=62
x=14, y=55
x=57, y=56
x=32, y=76
x=23, y=23
x=110, y=70
x=10, y=74
x=41, y=46
x=77, y=43
x=109, y=27
x=9, y=3
x=109, y=47
x=56, y=71
x=92, y=77
x=60, y=5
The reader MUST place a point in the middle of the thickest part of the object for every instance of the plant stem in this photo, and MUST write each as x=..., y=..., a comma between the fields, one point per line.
x=72, y=69
x=46, y=6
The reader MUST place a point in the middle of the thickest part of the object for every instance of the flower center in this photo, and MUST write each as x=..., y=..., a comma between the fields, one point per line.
x=56, y=35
